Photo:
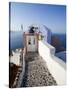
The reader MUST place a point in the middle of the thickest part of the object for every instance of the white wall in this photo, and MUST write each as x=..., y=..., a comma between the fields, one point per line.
x=23, y=68
x=31, y=47
x=55, y=65
x=15, y=58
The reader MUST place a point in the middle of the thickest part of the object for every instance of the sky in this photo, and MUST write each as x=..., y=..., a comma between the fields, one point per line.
x=26, y=14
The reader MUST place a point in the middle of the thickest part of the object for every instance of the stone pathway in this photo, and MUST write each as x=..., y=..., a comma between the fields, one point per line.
x=37, y=73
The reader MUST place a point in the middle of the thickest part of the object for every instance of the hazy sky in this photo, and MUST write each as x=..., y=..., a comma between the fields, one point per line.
x=53, y=16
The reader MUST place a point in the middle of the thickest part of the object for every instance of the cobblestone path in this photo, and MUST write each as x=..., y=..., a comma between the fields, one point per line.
x=36, y=72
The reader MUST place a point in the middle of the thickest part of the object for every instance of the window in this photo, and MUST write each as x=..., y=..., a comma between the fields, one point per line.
x=34, y=41
x=29, y=42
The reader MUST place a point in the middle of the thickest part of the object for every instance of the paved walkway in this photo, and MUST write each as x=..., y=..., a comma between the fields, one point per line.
x=36, y=72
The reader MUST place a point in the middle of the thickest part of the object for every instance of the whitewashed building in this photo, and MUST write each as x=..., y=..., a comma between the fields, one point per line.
x=33, y=43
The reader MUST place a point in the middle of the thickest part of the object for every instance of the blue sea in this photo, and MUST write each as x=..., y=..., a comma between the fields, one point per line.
x=16, y=41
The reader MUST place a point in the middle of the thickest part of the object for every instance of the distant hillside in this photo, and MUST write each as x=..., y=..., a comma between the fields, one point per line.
x=59, y=42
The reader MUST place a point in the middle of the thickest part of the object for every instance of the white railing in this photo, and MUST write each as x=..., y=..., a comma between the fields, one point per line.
x=55, y=65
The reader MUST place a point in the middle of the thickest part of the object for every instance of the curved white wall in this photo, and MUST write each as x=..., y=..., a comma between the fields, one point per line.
x=55, y=65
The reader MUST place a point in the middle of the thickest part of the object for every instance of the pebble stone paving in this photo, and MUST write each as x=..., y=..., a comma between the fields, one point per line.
x=36, y=72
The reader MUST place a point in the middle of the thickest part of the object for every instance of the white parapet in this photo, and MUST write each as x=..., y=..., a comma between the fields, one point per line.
x=15, y=58
x=56, y=66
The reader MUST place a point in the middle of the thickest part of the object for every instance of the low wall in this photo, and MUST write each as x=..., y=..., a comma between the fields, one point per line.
x=55, y=65
x=23, y=68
